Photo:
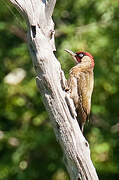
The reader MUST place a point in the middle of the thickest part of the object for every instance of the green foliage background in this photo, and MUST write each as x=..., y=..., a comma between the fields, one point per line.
x=28, y=149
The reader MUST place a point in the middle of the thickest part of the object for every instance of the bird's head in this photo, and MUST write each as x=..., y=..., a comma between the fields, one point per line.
x=82, y=57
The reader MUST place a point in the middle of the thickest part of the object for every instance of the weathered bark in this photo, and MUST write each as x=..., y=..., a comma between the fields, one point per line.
x=51, y=83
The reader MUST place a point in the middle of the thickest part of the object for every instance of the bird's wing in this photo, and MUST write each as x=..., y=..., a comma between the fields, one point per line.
x=81, y=86
x=80, y=91
x=84, y=96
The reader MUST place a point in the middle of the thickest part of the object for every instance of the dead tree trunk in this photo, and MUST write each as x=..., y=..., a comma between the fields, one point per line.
x=51, y=82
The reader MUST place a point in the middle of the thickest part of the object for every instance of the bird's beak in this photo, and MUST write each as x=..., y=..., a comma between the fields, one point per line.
x=72, y=54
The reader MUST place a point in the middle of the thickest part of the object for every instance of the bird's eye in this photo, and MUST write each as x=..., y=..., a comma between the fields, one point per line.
x=81, y=55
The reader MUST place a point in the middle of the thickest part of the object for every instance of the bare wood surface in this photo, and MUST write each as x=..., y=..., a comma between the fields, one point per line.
x=51, y=82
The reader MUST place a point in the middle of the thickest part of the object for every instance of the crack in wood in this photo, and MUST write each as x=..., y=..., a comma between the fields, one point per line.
x=33, y=28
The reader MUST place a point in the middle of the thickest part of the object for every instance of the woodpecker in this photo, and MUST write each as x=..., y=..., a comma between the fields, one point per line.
x=80, y=84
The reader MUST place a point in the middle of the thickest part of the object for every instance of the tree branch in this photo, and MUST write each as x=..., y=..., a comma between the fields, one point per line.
x=51, y=82
x=18, y=31
x=50, y=8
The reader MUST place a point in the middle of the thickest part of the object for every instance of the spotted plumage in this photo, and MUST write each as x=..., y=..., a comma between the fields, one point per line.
x=80, y=85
